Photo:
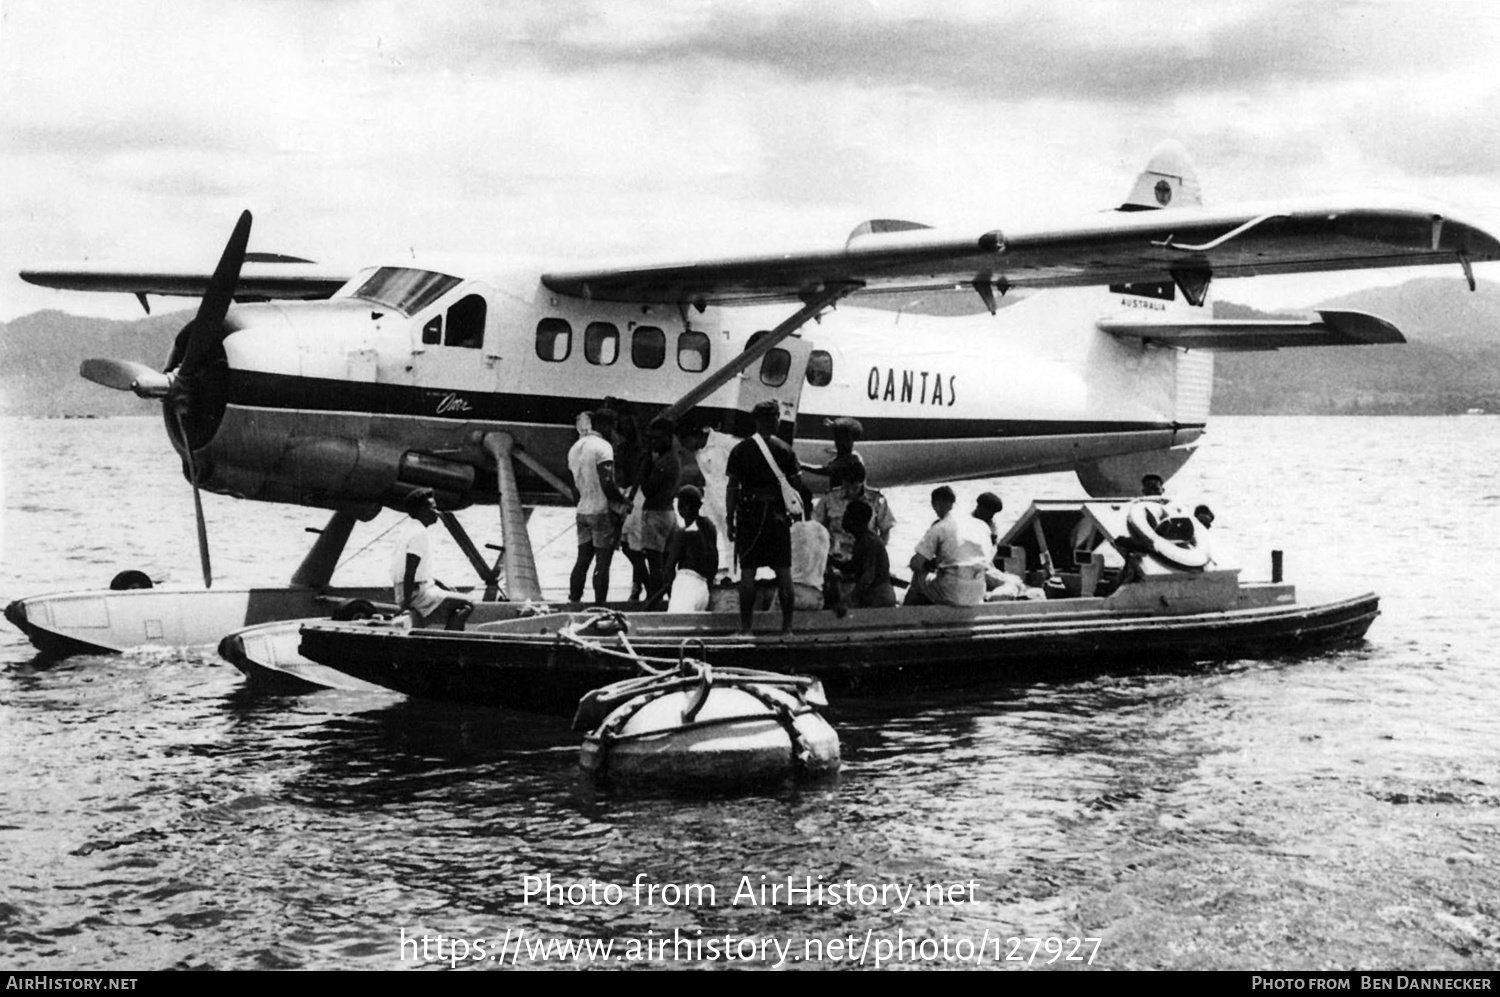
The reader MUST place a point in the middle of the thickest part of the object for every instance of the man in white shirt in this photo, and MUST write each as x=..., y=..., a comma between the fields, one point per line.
x=949, y=565
x=411, y=569
x=591, y=462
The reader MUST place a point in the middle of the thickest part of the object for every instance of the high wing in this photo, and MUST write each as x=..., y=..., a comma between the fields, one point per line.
x=1334, y=328
x=263, y=277
x=1189, y=245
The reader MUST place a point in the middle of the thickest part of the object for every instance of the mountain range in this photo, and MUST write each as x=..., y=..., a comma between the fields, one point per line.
x=1450, y=364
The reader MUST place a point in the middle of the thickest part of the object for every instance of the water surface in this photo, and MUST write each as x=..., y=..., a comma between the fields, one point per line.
x=1332, y=812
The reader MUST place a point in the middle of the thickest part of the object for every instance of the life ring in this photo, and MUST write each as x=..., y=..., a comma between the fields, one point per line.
x=1168, y=531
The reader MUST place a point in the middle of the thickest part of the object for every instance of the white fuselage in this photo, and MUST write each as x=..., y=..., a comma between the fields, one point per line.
x=327, y=399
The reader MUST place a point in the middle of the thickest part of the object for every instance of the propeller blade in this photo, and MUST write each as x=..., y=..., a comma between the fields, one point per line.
x=208, y=571
x=205, y=332
x=127, y=375
x=220, y=293
x=208, y=574
x=118, y=374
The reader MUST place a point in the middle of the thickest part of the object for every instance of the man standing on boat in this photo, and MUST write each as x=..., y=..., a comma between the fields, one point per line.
x=764, y=480
x=845, y=459
x=591, y=462
x=416, y=591
x=658, y=488
x=949, y=565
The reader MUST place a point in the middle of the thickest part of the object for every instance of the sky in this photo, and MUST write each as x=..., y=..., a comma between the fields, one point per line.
x=569, y=133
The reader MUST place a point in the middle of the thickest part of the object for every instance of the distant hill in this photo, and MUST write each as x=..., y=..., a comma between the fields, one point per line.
x=1450, y=364
x=40, y=354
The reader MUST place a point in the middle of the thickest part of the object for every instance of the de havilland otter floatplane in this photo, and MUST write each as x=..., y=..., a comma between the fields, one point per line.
x=974, y=353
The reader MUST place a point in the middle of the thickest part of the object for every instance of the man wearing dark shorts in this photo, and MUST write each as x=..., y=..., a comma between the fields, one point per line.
x=759, y=523
x=658, y=488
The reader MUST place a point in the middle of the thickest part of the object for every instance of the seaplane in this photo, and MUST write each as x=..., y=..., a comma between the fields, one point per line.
x=971, y=353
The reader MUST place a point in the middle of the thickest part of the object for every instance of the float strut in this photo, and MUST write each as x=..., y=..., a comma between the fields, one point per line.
x=317, y=567
x=487, y=574
x=520, y=565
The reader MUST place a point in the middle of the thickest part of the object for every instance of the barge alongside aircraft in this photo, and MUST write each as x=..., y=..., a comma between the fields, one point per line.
x=1118, y=605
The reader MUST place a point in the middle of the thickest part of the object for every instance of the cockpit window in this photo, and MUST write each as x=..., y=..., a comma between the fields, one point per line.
x=466, y=323
x=404, y=290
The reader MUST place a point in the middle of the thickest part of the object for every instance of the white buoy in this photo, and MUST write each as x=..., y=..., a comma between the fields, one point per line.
x=708, y=729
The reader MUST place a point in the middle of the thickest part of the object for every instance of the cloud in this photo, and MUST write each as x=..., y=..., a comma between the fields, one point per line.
x=597, y=129
x=1013, y=52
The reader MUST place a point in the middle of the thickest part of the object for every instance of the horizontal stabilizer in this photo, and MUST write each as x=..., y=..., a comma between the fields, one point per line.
x=1334, y=328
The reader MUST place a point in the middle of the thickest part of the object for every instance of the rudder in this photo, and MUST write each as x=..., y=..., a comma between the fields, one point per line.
x=1169, y=181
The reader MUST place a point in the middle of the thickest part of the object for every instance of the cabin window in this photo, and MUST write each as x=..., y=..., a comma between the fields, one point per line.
x=648, y=347
x=692, y=352
x=820, y=368
x=465, y=324
x=774, y=367
x=601, y=344
x=554, y=339
x=432, y=332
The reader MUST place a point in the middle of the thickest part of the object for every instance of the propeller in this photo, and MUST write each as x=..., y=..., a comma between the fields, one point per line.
x=191, y=386
x=127, y=375
x=203, y=560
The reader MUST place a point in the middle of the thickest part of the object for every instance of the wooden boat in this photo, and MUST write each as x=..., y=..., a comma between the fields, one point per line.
x=1115, y=600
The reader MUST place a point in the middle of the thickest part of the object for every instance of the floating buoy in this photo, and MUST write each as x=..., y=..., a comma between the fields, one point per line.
x=705, y=728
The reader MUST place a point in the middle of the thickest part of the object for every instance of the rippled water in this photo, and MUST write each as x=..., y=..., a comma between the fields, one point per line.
x=1333, y=812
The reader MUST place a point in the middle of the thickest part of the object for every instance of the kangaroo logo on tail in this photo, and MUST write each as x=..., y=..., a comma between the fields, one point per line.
x=1168, y=181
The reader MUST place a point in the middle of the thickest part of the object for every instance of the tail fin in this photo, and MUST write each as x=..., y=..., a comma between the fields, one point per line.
x=1168, y=181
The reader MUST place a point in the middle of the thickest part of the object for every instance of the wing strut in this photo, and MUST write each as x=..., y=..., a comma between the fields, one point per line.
x=816, y=302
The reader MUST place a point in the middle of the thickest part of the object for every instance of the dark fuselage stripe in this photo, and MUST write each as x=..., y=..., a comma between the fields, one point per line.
x=254, y=389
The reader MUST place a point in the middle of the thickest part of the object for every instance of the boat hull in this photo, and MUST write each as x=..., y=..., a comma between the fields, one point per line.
x=876, y=653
